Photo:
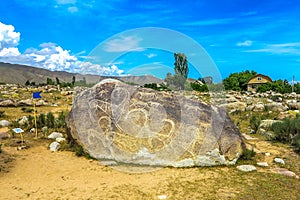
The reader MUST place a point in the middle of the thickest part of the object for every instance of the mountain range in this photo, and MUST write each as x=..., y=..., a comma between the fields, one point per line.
x=19, y=74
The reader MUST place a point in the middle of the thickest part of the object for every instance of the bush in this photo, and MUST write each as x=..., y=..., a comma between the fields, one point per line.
x=247, y=154
x=199, y=88
x=255, y=122
x=0, y=148
x=288, y=131
x=27, y=110
x=2, y=113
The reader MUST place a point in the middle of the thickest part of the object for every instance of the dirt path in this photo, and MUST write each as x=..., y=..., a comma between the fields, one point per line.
x=36, y=173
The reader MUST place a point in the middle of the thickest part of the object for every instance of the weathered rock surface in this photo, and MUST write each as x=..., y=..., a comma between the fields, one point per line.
x=263, y=164
x=4, y=123
x=279, y=160
x=246, y=168
x=54, y=146
x=7, y=103
x=55, y=135
x=127, y=124
x=285, y=172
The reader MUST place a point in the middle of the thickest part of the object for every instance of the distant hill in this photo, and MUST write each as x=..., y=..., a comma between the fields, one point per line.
x=19, y=74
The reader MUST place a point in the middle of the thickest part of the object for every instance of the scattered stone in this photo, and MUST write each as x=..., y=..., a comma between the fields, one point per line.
x=162, y=196
x=284, y=172
x=22, y=147
x=45, y=129
x=4, y=135
x=249, y=108
x=279, y=160
x=54, y=146
x=4, y=123
x=276, y=107
x=262, y=164
x=267, y=154
x=23, y=120
x=246, y=168
x=55, y=135
x=248, y=137
x=240, y=106
x=60, y=139
x=41, y=103
x=32, y=130
x=259, y=107
x=27, y=102
x=7, y=103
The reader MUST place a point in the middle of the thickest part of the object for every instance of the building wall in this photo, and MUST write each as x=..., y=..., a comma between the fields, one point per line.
x=256, y=81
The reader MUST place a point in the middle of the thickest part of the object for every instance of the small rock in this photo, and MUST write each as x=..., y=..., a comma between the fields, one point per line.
x=259, y=107
x=4, y=123
x=54, y=146
x=262, y=164
x=279, y=160
x=267, y=154
x=246, y=168
x=162, y=196
x=23, y=120
x=45, y=129
x=32, y=130
x=55, y=135
x=4, y=135
x=285, y=172
x=60, y=139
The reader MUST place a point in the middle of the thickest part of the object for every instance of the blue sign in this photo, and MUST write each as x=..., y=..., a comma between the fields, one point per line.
x=18, y=130
x=36, y=95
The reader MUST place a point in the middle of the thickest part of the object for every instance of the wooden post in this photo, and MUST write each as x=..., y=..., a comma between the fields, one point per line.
x=35, y=124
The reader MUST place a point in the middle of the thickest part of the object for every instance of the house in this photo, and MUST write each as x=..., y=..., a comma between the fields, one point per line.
x=257, y=80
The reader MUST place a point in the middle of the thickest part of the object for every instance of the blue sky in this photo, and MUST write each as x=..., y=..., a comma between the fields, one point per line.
x=236, y=34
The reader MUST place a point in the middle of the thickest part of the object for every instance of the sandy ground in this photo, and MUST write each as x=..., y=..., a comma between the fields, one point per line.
x=36, y=173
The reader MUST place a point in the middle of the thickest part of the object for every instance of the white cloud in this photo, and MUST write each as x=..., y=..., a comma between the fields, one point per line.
x=151, y=55
x=284, y=48
x=89, y=68
x=246, y=43
x=73, y=9
x=66, y=1
x=8, y=37
x=49, y=56
x=123, y=44
x=12, y=51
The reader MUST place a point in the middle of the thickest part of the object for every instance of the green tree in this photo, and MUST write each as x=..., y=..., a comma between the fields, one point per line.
x=27, y=83
x=57, y=81
x=238, y=81
x=50, y=81
x=73, y=80
x=181, y=65
x=181, y=72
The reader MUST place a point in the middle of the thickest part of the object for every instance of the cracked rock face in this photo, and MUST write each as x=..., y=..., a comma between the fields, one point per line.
x=142, y=126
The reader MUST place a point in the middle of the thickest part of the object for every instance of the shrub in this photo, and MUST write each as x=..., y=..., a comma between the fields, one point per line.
x=247, y=154
x=255, y=122
x=50, y=120
x=199, y=88
x=288, y=131
x=60, y=122
x=27, y=110
x=2, y=113
x=0, y=148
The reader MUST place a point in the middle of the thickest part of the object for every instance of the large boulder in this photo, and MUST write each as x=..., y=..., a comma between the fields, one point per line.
x=142, y=126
